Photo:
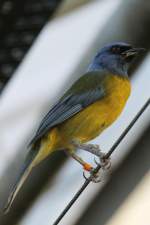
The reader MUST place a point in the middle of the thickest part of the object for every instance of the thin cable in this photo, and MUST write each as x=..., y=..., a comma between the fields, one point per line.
x=115, y=145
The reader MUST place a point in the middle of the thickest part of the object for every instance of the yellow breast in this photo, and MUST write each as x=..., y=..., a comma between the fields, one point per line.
x=91, y=121
x=118, y=89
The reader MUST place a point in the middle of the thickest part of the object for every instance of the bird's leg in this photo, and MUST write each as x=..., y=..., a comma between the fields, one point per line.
x=94, y=149
x=85, y=165
x=94, y=177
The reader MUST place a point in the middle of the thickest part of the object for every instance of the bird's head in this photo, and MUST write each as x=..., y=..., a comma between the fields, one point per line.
x=115, y=58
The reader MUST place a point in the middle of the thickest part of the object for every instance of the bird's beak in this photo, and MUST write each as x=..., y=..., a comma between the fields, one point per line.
x=132, y=52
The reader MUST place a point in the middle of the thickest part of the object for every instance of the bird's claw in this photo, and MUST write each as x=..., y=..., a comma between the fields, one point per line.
x=85, y=177
x=94, y=177
x=96, y=162
x=105, y=163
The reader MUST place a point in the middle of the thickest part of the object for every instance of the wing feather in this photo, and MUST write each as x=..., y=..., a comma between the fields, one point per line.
x=73, y=102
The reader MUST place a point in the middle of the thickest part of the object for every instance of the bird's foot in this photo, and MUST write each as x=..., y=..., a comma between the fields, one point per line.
x=95, y=149
x=93, y=176
x=105, y=163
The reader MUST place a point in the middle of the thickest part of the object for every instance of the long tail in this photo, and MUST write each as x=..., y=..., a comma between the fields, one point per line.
x=26, y=169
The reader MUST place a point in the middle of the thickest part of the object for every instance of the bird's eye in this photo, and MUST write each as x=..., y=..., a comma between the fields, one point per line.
x=115, y=50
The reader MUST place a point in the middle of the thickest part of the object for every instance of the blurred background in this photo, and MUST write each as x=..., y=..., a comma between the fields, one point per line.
x=44, y=46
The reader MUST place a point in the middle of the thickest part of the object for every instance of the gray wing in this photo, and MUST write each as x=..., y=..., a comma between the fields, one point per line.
x=68, y=106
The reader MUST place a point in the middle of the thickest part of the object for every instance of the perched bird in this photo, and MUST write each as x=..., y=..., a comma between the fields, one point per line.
x=91, y=105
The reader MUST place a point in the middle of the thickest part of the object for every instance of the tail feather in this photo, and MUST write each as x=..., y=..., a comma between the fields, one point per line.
x=29, y=163
x=26, y=169
x=18, y=184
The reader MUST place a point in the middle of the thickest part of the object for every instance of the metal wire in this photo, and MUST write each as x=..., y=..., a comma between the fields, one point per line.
x=115, y=145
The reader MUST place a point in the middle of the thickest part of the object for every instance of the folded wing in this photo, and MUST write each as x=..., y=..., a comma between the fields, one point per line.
x=87, y=90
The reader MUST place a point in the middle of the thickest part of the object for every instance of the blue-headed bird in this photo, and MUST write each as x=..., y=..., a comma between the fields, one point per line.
x=91, y=105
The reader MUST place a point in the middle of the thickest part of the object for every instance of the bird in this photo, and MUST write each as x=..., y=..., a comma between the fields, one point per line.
x=88, y=107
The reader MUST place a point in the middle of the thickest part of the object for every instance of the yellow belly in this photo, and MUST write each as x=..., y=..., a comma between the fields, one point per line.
x=91, y=121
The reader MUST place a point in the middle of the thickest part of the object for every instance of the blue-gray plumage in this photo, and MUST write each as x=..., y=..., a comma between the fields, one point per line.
x=111, y=61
